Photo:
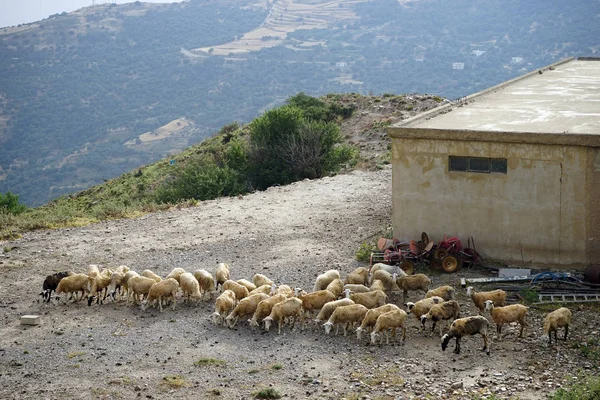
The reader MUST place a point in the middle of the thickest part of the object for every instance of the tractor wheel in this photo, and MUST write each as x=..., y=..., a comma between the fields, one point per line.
x=436, y=265
x=407, y=267
x=440, y=253
x=451, y=264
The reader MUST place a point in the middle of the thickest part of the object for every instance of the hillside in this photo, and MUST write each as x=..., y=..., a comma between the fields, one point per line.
x=90, y=95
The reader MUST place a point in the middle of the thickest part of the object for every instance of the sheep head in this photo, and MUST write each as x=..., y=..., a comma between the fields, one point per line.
x=445, y=339
x=327, y=325
x=489, y=304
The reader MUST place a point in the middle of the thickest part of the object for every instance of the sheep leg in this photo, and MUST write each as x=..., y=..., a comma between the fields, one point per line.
x=522, y=326
x=403, y=333
x=174, y=301
x=485, y=344
x=566, y=332
x=160, y=303
x=457, y=346
x=499, y=331
x=279, y=322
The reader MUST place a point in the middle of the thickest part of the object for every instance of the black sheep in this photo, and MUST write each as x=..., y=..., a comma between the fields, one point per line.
x=50, y=284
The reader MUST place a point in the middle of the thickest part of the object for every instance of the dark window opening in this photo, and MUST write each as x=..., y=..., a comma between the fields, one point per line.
x=477, y=164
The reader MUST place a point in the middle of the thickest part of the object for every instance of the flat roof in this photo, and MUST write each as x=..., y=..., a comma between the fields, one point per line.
x=560, y=102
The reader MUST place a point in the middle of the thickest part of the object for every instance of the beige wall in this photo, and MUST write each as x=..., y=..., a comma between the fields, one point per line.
x=593, y=205
x=537, y=211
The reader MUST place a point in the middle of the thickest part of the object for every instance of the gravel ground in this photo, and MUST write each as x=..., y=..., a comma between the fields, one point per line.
x=289, y=233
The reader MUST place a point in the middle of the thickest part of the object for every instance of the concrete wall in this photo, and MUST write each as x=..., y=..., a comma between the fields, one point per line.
x=537, y=211
x=593, y=205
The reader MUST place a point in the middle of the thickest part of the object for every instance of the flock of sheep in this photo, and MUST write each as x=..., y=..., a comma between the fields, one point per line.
x=358, y=301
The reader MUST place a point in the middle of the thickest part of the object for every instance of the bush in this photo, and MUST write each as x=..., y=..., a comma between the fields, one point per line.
x=9, y=204
x=586, y=388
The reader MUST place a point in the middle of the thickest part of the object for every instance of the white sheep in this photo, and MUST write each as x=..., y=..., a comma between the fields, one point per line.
x=249, y=285
x=265, y=307
x=498, y=296
x=345, y=315
x=392, y=269
x=557, y=319
x=329, y=307
x=467, y=326
x=389, y=321
x=125, y=282
x=73, y=284
x=370, y=318
x=176, y=273
x=422, y=306
x=206, y=281
x=285, y=290
x=446, y=292
x=336, y=287
x=138, y=286
x=441, y=312
x=117, y=281
x=223, y=305
x=260, y=279
x=388, y=280
x=123, y=269
x=190, y=287
x=163, y=289
x=372, y=299
x=266, y=289
x=150, y=274
x=288, y=309
x=354, y=288
x=325, y=279
x=222, y=275
x=247, y=306
x=359, y=276
x=377, y=285
x=93, y=270
x=315, y=300
x=240, y=291
x=506, y=315
x=414, y=283
x=98, y=284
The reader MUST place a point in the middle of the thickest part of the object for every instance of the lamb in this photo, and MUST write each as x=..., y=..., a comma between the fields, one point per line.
x=346, y=315
x=240, y=290
x=441, y=312
x=371, y=318
x=315, y=300
x=329, y=308
x=73, y=284
x=557, y=319
x=446, y=292
x=260, y=279
x=498, y=296
x=467, y=326
x=149, y=274
x=245, y=282
x=506, y=315
x=388, y=280
x=138, y=285
x=422, y=306
x=414, y=283
x=289, y=308
x=50, y=284
x=325, y=279
x=205, y=280
x=265, y=307
x=99, y=283
x=176, y=273
x=190, y=287
x=164, y=288
x=359, y=276
x=336, y=287
x=390, y=321
x=223, y=305
x=354, y=288
x=246, y=306
x=222, y=275
x=373, y=299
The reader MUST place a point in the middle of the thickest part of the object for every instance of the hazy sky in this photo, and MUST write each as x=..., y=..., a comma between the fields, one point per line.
x=14, y=12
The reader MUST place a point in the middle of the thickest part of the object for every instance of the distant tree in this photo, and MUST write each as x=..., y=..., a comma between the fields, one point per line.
x=9, y=203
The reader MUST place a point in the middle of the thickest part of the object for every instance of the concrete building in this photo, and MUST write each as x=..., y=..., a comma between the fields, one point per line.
x=517, y=167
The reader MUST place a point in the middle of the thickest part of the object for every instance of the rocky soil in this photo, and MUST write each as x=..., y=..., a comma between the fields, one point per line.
x=291, y=234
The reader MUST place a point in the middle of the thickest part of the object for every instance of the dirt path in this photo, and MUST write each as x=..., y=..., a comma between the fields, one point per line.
x=291, y=234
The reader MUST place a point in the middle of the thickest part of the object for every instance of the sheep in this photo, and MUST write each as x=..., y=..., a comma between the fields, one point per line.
x=377, y=285
x=467, y=326
x=246, y=306
x=176, y=273
x=93, y=270
x=388, y=280
x=125, y=281
x=149, y=274
x=390, y=321
x=557, y=319
x=50, y=284
x=498, y=296
x=371, y=318
x=222, y=275
x=138, y=285
x=122, y=269
x=260, y=279
x=506, y=315
x=414, y=283
x=392, y=269
x=205, y=280
x=329, y=307
x=359, y=276
x=346, y=315
x=190, y=287
x=289, y=308
x=264, y=308
x=99, y=283
x=446, y=292
x=266, y=289
x=164, y=288
x=285, y=290
x=223, y=305
x=336, y=287
x=73, y=284
x=245, y=282
x=116, y=284
x=315, y=300
x=422, y=306
x=325, y=279
x=240, y=291
x=354, y=288
x=441, y=312
x=373, y=299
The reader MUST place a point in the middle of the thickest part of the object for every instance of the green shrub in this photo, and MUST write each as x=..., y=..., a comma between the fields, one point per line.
x=364, y=251
x=267, y=393
x=9, y=204
x=586, y=388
